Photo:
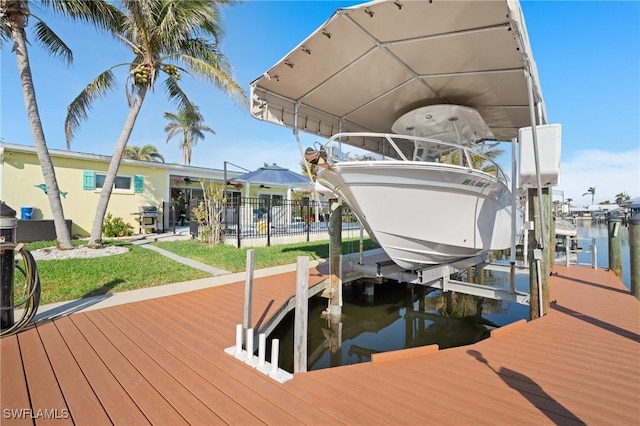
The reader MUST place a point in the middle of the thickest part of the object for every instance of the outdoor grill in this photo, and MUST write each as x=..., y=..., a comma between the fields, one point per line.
x=149, y=218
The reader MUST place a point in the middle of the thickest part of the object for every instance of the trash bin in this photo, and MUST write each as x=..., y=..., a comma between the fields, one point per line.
x=26, y=213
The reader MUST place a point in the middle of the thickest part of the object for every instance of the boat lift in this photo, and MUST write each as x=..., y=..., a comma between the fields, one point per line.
x=325, y=85
x=439, y=277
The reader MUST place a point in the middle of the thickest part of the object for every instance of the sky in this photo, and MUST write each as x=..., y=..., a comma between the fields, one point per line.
x=587, y=54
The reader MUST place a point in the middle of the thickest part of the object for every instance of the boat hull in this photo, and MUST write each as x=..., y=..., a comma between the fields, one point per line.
x=425, y=213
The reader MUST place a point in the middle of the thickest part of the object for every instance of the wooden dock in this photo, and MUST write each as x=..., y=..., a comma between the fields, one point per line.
x=162, y=361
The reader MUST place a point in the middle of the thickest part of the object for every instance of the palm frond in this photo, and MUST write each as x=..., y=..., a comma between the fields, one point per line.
x=78, y=110
x=213, y=73
x=177, y=95
x=50, y=41
x=101, y=13
x=172, y=129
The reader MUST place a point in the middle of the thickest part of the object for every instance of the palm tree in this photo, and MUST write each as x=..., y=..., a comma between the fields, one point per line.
x=143, y=153
x=188, y=122
x=592, y=191
x=621, y=199
x=313, y=169
x=165, y=36
x=14, y=16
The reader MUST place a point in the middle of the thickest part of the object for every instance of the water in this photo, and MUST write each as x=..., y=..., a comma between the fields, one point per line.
x=398, y=316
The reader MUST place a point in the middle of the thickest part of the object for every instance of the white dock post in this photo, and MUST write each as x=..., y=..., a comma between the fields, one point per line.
x=594, y=254
x=262, y=346
x=275, y=353
x=249, y=343
x=248, y=290
x=239, y=331
x=567, y=250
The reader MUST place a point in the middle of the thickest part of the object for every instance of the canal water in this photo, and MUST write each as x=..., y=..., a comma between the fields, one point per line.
x=587, y=231
x=402, y=316
x=397, y=316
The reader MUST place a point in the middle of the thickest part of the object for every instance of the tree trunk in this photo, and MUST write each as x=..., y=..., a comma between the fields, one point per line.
x=48, y=171
x=95, y=241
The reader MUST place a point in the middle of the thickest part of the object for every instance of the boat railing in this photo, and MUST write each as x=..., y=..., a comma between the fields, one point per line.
x=419, y=146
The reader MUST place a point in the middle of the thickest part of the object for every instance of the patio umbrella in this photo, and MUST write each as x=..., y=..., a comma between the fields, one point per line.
x=274, y=175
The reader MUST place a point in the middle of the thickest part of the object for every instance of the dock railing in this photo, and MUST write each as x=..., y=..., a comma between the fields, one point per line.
x=572, y=250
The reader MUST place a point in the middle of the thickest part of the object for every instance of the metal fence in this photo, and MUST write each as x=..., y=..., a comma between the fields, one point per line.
x=267, y=219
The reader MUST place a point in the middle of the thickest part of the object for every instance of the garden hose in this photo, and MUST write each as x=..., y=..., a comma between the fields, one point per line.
x=31, y=290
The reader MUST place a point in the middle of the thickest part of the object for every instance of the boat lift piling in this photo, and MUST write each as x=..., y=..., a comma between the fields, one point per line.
x=615, y=244
x=334, y=292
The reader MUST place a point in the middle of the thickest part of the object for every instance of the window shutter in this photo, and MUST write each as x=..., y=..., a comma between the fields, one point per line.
x=88, y=180
x=138, y=184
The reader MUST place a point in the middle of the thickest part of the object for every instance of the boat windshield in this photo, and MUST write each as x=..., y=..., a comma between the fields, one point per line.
x=393, y=147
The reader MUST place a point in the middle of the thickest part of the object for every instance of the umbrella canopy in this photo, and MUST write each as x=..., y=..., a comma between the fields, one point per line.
x=274, y=175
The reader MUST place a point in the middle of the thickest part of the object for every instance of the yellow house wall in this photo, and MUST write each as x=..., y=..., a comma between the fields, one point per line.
x=22, y=173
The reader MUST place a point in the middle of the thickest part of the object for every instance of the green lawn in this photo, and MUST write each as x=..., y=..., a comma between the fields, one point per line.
x=139, y=268
x=234, y=259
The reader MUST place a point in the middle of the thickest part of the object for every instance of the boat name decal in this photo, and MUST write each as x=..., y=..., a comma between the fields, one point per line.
x=474, y=183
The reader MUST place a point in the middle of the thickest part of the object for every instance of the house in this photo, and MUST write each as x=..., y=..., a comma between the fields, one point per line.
x=80, y=177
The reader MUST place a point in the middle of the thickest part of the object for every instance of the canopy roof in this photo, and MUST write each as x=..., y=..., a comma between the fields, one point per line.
x=274, y=175
x=369, y=64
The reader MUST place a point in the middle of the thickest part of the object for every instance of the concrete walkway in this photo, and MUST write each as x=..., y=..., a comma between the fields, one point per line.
x=185, y=261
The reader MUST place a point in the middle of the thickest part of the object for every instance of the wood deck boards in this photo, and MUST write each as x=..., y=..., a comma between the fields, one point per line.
x=161, y=361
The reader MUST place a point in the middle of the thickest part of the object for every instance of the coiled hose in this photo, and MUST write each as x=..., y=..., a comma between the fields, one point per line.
x=31, y=289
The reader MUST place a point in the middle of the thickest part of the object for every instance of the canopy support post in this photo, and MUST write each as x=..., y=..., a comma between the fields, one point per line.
x=514, y=212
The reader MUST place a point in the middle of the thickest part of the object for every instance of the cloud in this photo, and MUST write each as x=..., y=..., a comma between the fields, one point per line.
x=609, y=172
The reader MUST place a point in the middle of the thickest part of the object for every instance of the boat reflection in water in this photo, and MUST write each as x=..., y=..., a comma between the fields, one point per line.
x=397, y=316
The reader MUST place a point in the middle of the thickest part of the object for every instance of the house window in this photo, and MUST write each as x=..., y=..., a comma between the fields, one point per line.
x=93, y=180
x=122, y=182
x=274, y=199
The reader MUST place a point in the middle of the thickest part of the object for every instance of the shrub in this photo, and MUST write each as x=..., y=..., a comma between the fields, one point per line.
x=116, y=227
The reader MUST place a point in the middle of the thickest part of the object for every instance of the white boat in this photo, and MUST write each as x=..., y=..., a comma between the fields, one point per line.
x=423, y=211
x=363, y=79
x=565, y=228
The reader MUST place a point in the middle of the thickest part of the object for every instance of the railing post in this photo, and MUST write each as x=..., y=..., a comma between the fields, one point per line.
x=594, y=254
x=307, y=219
x=268, y=221
x=634, y=254
x=238, y=230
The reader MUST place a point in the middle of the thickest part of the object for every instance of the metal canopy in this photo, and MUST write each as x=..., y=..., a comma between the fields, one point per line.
x=370, y=64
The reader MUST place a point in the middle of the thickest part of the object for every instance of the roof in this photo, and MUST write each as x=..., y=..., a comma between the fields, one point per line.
x=179, y=169
x=634, y=203
x=371, y=63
